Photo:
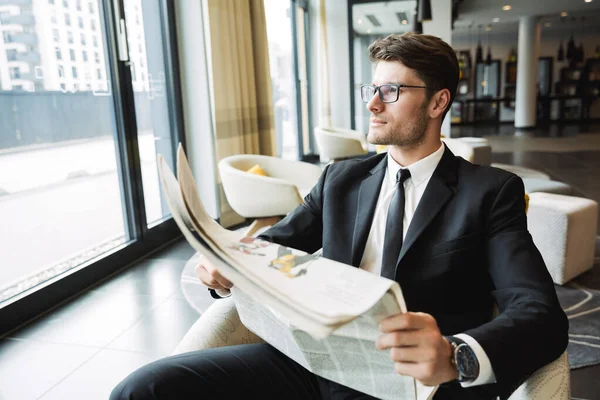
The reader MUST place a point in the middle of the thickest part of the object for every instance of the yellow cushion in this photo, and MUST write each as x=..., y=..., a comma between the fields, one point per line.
x=526, y=202
x=257, y=170
x=380, y=148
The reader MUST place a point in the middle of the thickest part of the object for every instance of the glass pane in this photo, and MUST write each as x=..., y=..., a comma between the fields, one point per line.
x=147, y=56
x=279, y=35
x=487, y=79
x=303, y=76
x=60, y=191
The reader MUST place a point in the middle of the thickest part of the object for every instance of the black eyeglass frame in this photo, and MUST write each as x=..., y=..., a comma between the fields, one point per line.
x=396, y=85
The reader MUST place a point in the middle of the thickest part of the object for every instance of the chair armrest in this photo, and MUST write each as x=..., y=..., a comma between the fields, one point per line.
x=218, y=326
x=552, y=381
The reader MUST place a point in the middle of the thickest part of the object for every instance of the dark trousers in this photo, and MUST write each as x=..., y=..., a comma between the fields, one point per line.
x=235, y=372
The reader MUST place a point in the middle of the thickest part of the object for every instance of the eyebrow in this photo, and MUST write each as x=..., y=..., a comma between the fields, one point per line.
x=390, y=83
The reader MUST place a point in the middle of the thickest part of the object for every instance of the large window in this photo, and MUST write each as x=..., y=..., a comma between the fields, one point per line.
x=287, y=32
x=78, y=145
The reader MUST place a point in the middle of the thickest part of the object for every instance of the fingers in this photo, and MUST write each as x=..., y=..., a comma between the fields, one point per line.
x=424, y=373
x=406, y=321
x=413, y=355
x=210, y=277
x=399, y=339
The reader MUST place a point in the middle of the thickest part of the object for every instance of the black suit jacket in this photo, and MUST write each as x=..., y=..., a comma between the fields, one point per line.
x=467, y=247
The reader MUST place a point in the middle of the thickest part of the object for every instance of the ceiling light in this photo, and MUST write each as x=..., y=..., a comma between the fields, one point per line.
x=506, y=7
x=588, y=1
x=404, y=22
x=496, y=19
x=373, y=20
x=424, y=10
x=368, y=31
x=563, y=14
x=359, y=21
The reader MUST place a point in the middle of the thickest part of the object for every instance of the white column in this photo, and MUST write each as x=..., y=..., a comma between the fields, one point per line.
x=441, y=26
x=527, y=65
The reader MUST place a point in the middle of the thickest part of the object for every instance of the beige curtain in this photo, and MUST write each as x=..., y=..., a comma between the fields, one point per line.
x=239, y=60
x=323, y=60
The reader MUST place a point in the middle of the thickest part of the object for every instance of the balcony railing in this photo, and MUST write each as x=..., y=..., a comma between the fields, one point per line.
x=22, y=19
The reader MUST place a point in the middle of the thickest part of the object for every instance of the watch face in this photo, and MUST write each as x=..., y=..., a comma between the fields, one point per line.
x=466, y=361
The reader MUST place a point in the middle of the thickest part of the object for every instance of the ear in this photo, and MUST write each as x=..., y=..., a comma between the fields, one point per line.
x=438, y=103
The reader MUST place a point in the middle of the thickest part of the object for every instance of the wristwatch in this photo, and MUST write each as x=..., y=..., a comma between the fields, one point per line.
x=464, y=359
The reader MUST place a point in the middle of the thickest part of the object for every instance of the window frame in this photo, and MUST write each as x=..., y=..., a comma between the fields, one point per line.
x=28, y=305
x=303, y=4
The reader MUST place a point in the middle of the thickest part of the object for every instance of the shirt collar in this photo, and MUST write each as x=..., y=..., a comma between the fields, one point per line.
x=419, y=171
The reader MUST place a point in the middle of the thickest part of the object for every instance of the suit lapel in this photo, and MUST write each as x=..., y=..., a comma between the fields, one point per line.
x=439, y=190
x=365, y=209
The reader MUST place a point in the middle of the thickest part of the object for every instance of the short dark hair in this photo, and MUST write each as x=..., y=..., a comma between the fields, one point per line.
x=432, y=59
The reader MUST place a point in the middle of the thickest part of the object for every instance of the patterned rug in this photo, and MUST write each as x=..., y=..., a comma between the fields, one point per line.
x=580, y=299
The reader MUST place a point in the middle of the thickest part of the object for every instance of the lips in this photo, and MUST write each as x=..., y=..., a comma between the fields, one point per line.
x=377, y=122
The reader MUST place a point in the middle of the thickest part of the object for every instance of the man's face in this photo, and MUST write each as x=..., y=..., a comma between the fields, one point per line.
x=402, y=123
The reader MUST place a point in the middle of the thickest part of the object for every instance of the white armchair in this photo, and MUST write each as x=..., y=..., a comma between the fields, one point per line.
x=339, y=143
x=256, y=196
x=221, y=326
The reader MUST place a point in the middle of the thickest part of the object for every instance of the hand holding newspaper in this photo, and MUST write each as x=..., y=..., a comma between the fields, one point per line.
x=321, y=313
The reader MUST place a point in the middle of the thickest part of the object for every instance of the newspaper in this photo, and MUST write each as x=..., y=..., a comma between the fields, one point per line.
x=321, y=313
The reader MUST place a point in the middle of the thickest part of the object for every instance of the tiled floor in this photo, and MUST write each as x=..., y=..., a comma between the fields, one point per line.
x=84, y=348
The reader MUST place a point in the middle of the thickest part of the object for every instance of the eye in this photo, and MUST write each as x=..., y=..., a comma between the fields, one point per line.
x=388, y=89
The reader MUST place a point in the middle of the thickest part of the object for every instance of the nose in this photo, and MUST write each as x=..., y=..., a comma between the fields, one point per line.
x=375, y=105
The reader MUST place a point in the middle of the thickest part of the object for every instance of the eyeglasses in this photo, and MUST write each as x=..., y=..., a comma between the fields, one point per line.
x=388, y=93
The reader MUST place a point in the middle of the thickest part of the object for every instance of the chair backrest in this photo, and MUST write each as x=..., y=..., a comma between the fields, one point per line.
x=255, y=196
x=336, y=143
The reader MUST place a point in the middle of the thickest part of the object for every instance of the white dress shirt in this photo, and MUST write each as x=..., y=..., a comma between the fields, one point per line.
x=420, y=174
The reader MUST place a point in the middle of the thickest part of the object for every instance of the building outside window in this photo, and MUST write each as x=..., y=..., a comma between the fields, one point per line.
x=80, y=185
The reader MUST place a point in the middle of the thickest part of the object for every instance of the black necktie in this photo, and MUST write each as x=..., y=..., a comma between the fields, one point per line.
x=392, y=241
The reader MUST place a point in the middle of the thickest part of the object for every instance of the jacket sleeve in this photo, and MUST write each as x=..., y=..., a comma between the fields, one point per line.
x=531, y=329
x=302, y=229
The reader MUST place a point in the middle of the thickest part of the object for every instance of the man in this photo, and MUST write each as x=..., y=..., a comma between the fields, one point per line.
x=454, y=235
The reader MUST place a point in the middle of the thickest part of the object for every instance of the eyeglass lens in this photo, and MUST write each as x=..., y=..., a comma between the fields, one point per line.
x=387, y=93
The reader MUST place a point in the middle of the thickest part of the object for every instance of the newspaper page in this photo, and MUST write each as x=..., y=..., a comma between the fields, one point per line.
x=218, y=259
x=280, y=293
x=348, y=356
x=288, y=273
